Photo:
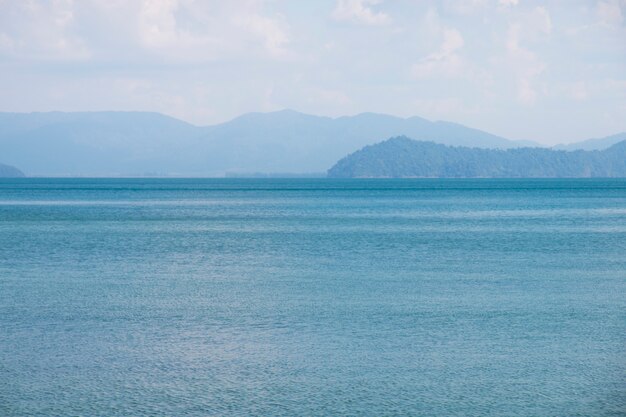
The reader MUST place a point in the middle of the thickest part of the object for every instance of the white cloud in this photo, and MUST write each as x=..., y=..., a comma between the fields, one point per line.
x=609, y=12
x=523, y=63
x=445, y=61
x=35, y=30
x=157, y=24
x=578, y=91
x=273, y=37
x=540, y=20
x=184, y=30
x=359, y=11
x=465, y=6
x=199, y=29
x=525, y=91
x=508, y=2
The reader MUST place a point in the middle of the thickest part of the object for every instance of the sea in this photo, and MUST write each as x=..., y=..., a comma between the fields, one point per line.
x=312, y=297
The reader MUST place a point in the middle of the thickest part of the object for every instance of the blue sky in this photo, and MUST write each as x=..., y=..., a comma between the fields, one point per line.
x=545, y=71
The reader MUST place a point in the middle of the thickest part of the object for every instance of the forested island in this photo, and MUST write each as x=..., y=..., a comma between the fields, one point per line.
x=7, y=171
x=401, y=157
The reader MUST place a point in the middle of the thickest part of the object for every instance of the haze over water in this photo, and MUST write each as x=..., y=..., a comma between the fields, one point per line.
x=312, y=297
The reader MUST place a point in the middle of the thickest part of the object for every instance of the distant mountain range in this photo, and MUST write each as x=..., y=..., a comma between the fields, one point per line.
x=7, y=171
x=135, y=143
x=402, y=157
x=140, y=143
x=99, y=143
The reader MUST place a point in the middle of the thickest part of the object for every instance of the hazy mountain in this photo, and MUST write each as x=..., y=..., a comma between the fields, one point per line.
x=288, y=141
x=402, y=157
x=7, y=171
x=134, y=143
x=91, y=143
x=594, y=144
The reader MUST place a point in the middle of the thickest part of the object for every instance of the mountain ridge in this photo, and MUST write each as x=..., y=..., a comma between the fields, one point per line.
x=133, y=143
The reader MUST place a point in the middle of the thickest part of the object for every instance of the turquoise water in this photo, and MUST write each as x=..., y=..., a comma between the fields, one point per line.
x=312, y=297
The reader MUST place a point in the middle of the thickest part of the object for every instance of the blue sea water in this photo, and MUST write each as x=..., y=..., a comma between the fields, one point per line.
x=132, y=297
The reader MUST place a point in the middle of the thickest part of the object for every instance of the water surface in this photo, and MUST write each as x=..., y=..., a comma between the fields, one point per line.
x=312, y=297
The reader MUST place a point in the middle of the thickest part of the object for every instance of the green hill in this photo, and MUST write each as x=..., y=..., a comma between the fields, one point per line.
x=7, y=171
x=402, y=157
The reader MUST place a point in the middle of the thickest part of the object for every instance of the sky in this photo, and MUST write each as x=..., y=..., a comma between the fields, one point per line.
x=548, y=71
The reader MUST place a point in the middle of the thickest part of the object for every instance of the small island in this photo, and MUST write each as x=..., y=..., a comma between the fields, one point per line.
x=401, y=157
x=8, y=171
